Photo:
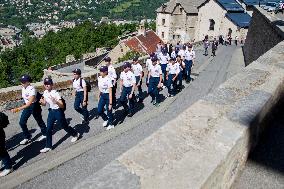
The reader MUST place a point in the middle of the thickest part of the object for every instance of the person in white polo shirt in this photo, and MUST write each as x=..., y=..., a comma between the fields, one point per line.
x=138, y=73
x=154, y=80
x=172, y=74
x=31, y=107
x=105, y=97
x=81, y=95
x=127, y=86
x=112, y=74
x=55, y=113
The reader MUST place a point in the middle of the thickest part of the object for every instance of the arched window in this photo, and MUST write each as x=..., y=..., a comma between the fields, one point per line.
x=212, y=24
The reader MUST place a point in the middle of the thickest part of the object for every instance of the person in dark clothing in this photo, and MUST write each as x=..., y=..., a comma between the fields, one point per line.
x=214, y=47
x=4, y=156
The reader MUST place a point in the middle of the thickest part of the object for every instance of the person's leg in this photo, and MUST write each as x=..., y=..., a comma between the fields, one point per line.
x=50, y=123
x=123, y=98
x=109, y=112
x=101, y=105
x=169, y=84
x=38, y=117
x=131, y=100
x=114, y=94
x=189, y=70
x=155, y=89
x=151, y=88
x=60, y=117
x=78, y=101
x=4, y=156
x=23, y=122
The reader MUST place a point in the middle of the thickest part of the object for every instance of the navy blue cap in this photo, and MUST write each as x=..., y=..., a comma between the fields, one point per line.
x=48, y=81
x=25, y=78
x=103, y=69
x=152, y=54
x=77, y=71
x=126, y=65
x=154, y=58
x=135, y=58
x=107, y=59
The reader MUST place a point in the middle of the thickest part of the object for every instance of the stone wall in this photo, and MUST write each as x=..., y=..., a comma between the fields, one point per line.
x=263, y=34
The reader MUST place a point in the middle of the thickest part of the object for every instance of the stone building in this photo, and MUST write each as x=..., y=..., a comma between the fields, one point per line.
x=191, y=20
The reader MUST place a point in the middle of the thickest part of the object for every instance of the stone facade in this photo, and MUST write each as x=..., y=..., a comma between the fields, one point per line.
x=263, y=33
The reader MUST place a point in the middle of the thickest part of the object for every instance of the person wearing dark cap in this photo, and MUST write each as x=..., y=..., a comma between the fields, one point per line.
x=105, y=97
x=81, y=95
x=112, y=74
x=31, y=107
x=180, y=75
x=172, y=74
x=164, y=58
x=127, y=86
x=138, y=72
x=55, y=113
x=189, y=61
x=154, y=80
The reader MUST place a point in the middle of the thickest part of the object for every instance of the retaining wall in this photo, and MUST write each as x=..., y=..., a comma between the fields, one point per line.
x=207, y=145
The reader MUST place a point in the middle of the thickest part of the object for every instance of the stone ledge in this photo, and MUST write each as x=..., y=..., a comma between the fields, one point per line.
x=207, y=145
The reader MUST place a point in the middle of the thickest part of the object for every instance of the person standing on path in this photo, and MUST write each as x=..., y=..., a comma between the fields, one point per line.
x=189, y=61
x=138, y=73
x=164, y=58
x=81, y=95
x=4, y=156
x=55, y=113
x=206, y=45
x=113, y=76
x=127, y=86
x=214, y=47
x=31, y=107
x=154, y=81
x=180, y=75
x=105, y=97
x=172, y=74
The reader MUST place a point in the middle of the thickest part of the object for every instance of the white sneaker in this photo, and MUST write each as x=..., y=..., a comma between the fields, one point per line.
x=44, y=150
x=25, y=141
x=105, y=123
x=42, y=137
x=110, y=127
x=74, y=139
x=5, y=172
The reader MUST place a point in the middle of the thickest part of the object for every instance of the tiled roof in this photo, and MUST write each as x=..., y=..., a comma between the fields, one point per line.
x=144, y=44
x=190, y=6
x=240, y=19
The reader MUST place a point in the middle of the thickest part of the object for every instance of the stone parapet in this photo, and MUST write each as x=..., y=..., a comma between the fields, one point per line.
x=207, y=145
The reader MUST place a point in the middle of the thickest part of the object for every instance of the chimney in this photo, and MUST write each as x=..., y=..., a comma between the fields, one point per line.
x=142, y=30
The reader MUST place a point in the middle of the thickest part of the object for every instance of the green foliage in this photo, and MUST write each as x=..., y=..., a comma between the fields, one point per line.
x=34, y=55
x=129, y=56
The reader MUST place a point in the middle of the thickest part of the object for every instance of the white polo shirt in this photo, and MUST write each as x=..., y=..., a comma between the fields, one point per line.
x=173, y=68
x=148, y=62
x=155, y=71
x=173, y=54
x=181, y=65
x=164, y=58
x=104, y=83
x=77, y=86
x=48, y=98
x=28, y=92
x=128, y=79
x=181, y=53
x=112, y=72
x=137, y=69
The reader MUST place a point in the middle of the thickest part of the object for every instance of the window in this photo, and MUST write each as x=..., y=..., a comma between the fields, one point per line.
x=163, y=34
x=174, y=36
x=163, y=21
x=180, y=10
x=212, y=24
x=178, y=36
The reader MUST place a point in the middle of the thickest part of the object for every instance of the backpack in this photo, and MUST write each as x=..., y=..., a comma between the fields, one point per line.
x=4, y=120
x=64, y=104
x=88, y=85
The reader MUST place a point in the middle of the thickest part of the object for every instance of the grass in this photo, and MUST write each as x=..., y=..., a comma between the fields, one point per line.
x=123, y=6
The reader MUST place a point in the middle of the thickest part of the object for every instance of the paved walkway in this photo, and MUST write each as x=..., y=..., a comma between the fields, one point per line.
x=69, y=163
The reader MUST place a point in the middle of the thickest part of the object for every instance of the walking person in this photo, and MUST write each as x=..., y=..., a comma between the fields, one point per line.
x=154, y=81
x=189, y=61
x=138, y=73
x=172, y=74
x=31, y=107
x=236, y=40
x=55, y=113
x=214, y=48
x=127, y=86
x=112, y=74
x=206, y=45
x=105, y=97
x=164, y=58
x=180, y=75
x=4, y=156
x=81, y=95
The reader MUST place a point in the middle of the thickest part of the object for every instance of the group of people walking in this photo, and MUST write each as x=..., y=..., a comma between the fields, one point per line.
x=163, y=70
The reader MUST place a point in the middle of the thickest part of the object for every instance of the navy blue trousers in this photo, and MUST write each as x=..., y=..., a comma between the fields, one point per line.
x=53, y=115
x=188, y=65
x=140, y=96
x=126, y=91
x=104, y=102
x=4, y=156
x=35, y=110
x=78, y=101
x=153, y=90
x=172, y=85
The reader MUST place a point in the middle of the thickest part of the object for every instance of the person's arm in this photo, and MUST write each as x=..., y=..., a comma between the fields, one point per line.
x=121, y=85
x=85, y=100
x=161, y=78
x=110, y=98
x=31, y=100
x=133, y=88
x=42, y=101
